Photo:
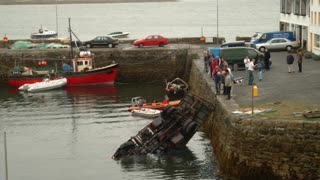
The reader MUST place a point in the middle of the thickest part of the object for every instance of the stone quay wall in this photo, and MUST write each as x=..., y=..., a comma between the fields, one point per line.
x=135, y=64
x=256, y=148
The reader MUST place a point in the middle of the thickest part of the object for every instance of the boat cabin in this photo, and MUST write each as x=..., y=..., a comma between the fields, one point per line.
x=83, y=62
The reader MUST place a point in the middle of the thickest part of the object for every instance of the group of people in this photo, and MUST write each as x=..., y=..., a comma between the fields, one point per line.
x=264, y=64
x=220, y=72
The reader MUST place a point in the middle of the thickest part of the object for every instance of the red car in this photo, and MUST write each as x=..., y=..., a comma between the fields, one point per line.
x=153, y=40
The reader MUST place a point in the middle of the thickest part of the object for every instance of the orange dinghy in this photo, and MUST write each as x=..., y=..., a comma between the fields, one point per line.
x=138, y=103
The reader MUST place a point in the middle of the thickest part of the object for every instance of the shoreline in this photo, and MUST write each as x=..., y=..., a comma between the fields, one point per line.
x=46, y=2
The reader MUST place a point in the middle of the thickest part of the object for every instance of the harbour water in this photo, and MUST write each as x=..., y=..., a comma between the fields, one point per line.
x=184, y=18
x=72, y=133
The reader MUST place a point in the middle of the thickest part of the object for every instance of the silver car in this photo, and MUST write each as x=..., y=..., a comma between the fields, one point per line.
x=278, y=44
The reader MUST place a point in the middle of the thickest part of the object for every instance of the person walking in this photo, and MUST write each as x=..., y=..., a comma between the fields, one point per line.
x=216, y=78
x=5, y=41
x=260, y=66
x=228, y=84
x=250, y=71
x=290, y=60
x=210, y=62
x=267, y=58
x=246, y=62
x=205, y=60
x=300, y=57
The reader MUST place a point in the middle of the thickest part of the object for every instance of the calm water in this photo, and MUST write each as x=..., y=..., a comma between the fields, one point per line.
x=172, y=19
x=72, y=133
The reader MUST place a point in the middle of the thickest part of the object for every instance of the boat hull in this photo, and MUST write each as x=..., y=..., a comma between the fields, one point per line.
x=47, y=85
x=104, y=75
x=146, y=112
x=158, y=106
x=44, y=36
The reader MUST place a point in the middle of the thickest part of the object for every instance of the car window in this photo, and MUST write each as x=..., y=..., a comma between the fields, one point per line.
x=156, y=37
x=252, y=53
x=274, y=41
x=149, y=37
x=282, y=41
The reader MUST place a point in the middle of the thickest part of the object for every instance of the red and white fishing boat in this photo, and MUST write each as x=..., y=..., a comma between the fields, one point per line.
x=82, y=73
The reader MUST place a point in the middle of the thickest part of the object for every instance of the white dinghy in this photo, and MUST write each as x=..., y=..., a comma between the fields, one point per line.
x=45, y=85
x=146, y=112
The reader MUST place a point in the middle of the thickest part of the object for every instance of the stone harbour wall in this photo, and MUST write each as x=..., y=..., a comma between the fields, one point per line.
x=256, y=148
x=135, y=65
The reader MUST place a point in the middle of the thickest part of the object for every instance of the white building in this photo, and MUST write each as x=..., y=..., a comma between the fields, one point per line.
x=303, y=17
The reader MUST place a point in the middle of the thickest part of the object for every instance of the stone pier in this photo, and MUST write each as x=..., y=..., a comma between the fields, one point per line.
x=256, y=147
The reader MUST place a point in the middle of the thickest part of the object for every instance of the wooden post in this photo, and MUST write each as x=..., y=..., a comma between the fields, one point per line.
x=5, y=155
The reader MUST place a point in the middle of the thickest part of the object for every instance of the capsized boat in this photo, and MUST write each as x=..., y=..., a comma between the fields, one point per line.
x=119, y=34
x=171, y=130
x=138, y=103
x=46, y=84
x=146, y=112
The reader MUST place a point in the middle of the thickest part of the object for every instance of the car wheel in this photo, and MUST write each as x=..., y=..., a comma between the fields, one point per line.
x=140, y=45
x=161, y=45
x=262, y=49
x=289, y=48
x=110, y=46
x=88, y=45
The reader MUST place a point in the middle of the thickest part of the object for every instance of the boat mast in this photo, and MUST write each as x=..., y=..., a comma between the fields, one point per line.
x=70, y=32
x=57, y=16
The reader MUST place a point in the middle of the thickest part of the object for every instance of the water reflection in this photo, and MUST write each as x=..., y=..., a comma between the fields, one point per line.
x=180, y=163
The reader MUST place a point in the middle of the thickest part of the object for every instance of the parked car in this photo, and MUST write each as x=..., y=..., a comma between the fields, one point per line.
x=235, y=55
x=101, y=41
x=266, y=36
x=277, y=44
x=234, y=44
x=153, y=40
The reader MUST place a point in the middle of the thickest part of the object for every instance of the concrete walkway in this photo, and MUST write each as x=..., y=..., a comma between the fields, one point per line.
x=293, y=91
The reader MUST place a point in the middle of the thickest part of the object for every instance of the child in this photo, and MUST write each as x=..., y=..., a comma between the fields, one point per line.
x=260, y=69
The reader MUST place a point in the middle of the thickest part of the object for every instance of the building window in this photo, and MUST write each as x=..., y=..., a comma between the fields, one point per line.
x=303, y=7
x=297, y=7
x=317, y=40
x=289, y=7
x=283, y=6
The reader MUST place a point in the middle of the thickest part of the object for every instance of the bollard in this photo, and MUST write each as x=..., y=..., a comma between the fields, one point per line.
x=255, y=91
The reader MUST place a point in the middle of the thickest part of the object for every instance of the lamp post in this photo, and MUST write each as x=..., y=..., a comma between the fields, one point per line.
x=217, y=22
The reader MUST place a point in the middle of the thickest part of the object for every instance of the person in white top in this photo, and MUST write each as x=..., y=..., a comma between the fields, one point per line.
x=250, y=71
x=246, y=62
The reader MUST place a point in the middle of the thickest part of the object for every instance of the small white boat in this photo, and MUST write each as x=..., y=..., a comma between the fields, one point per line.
x=146, y=112
x=44, y=33
x=119, y=34
x=46, y=84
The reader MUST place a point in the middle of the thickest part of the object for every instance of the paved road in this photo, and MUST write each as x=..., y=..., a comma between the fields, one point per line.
x=280, y=86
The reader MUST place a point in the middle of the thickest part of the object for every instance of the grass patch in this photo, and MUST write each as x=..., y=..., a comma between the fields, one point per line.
x=285, y=110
